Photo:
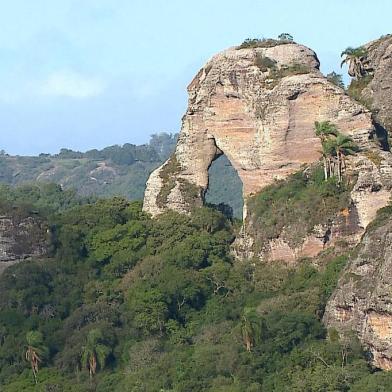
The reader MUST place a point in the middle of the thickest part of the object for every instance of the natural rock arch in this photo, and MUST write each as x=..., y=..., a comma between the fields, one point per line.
x=225, y=188
x=260, y=116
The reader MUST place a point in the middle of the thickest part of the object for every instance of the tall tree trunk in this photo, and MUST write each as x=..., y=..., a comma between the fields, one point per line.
x=339, y=168
x=325, y=168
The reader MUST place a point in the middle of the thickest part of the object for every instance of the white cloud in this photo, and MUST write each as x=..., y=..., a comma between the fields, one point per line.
x=70, y=84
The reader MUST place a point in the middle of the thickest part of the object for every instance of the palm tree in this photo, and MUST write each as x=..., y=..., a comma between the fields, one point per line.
x=95, y=352
x=324, y=130
x=329, y=154
x=250, y=328
x=35, y=351
x=355, y=57
x=247, y=333
x=335, y=147
x=344, y=145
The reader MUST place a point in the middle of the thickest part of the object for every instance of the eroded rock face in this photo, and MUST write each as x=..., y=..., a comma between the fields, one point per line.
x=258, y=106
x=379, y=91
x=362, y=300
x=21, y=239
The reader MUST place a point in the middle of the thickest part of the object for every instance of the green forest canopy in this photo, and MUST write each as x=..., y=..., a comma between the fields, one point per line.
x=164, y=307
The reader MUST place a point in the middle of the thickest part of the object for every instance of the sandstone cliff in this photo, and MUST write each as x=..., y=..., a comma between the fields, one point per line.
x=258, y=107
x=362, y=301
x=21, y=238
x=378, y=92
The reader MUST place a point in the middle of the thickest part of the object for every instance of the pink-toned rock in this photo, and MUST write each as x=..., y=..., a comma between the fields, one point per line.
x=258, y=106
x=261, y=118
x=362, y=301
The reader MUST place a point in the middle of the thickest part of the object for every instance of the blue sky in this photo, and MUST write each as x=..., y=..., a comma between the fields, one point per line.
x=90, y=73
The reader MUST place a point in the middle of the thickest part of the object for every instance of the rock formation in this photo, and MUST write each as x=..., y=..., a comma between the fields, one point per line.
x=378, y=92
x=21, y=239
x=258, y=107
x=362, y=301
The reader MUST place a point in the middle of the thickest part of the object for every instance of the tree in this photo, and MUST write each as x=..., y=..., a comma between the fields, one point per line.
x=95, y=352
x=250, y=329
x=285, y=37
x=335, y=147
x=344, y=145
x=324, y=130
x=35, y=351
x=355, y=58
x=329, y=154
x=336, y=79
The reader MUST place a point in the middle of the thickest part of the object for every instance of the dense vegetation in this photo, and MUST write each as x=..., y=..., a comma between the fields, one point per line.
x=291, y=209
x=113, y=171
x=126, y=303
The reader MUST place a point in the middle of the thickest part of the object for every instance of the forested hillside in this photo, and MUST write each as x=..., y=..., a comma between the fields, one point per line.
x=127, y=303
x=180, y=296
x=115, y=171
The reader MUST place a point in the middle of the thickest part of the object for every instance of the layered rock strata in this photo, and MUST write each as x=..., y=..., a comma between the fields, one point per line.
x=260, y=116
x=362, y=301
x=258, y=107
x=378, y=93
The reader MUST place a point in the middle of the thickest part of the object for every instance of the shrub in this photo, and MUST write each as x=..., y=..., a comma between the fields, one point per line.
x=291, y=208
x=356, y=88
x=285, y=37
x=336, y=79
x=264, y=63
x=168, y=173
x=262, y=43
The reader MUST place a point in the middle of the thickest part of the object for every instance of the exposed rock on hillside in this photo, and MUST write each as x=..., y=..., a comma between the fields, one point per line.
x=378, y=92
x=21, y=239
x=363, y=301
x=258, y=107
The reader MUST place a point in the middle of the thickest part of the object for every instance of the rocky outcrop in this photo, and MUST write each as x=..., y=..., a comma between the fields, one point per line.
x=258, y=107
x=21, y=238
x=362, y=301
x=378, y=93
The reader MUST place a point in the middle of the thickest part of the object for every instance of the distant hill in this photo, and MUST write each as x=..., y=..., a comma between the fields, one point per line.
x=115, y=171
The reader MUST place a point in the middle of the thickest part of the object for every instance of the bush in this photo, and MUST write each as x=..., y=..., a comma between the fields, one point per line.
x=356, y=88
x=290, y=209
x=264, y=63
x=263, y=43
x=336, y=79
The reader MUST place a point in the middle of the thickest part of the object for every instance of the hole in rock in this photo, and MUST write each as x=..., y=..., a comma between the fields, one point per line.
x=225, y=188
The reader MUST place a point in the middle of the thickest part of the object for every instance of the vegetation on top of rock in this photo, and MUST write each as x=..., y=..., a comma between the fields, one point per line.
x=283, y=39
x=355, y=58
x=276, y=74
x=336, y=79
